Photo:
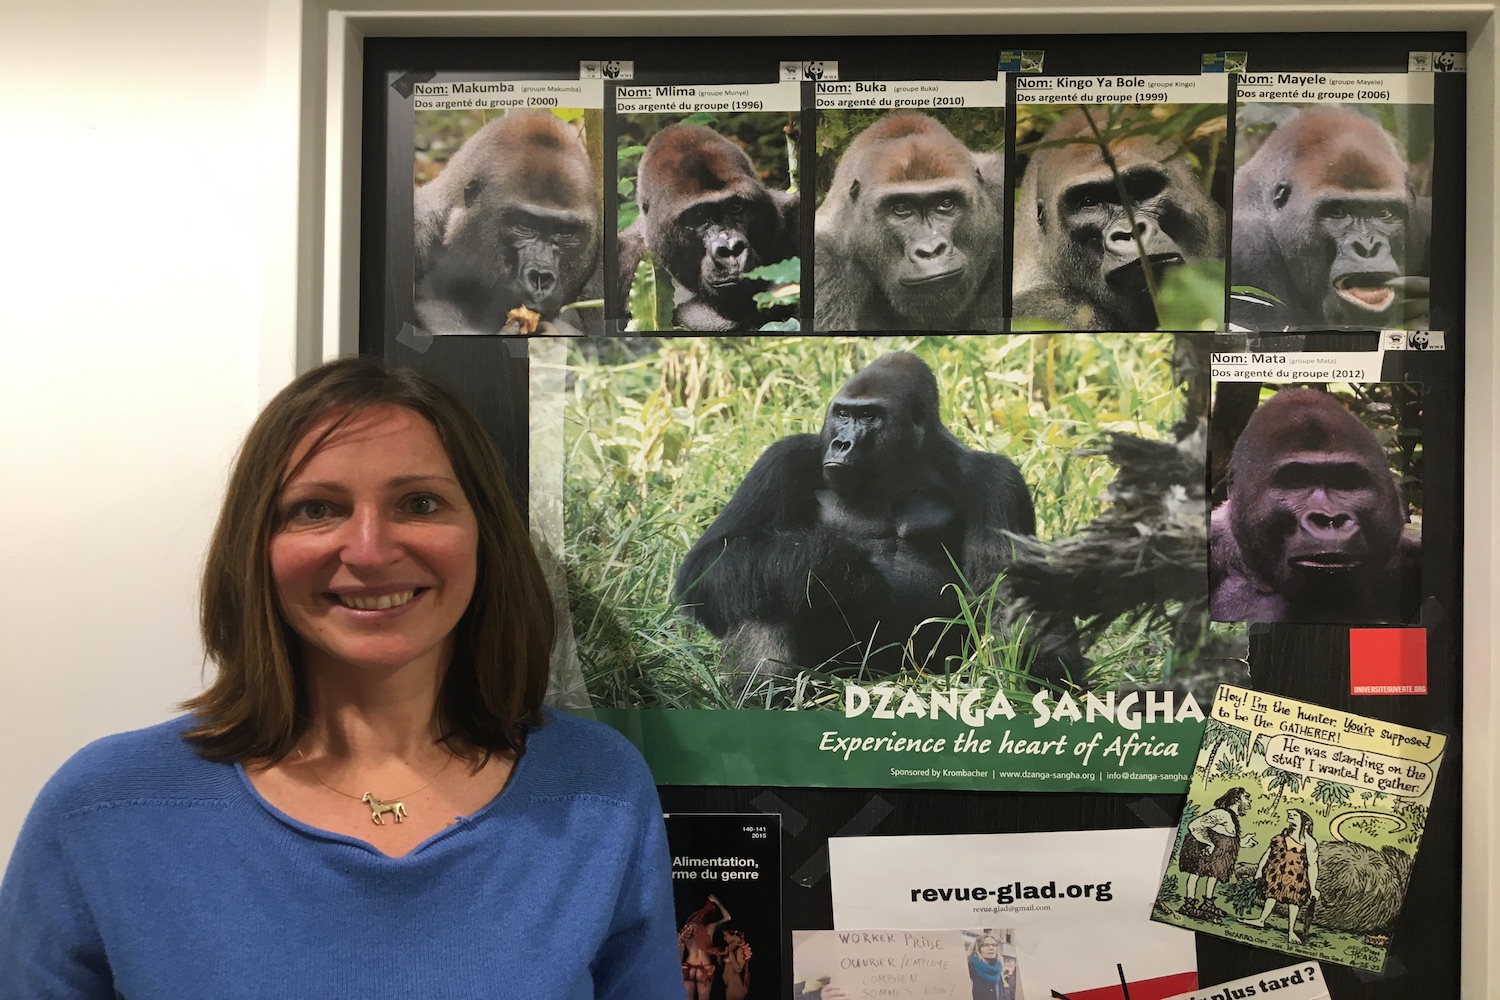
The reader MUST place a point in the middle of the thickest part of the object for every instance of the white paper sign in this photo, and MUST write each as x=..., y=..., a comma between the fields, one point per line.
x=1056, y=889
x=880, y=962
x=1295, y=982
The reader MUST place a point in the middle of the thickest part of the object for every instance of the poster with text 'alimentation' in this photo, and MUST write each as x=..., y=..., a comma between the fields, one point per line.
x=1055, y=889
x=900, y=561
x=726, y=887
x=1300, y=828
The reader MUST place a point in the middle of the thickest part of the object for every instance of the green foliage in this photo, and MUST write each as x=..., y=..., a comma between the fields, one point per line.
x=1330, y=794
x=1242, y=897
x=659, y=434
x=1191, y=297
x=1169, y=892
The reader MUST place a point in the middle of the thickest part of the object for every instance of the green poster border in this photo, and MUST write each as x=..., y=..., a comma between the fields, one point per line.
x=792, y=748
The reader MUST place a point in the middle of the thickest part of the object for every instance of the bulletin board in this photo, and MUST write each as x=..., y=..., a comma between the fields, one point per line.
x=1117, y=398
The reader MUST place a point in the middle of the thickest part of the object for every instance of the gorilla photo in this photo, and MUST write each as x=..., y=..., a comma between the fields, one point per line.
x=508, y=234
x=853, y=546
x=1314, y=528
x=1330, y=229
x=909, y=235
x=755, y=521
x=708, y=214
x=1081, y=263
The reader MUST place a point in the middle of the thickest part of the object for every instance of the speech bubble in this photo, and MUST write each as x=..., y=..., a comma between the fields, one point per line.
x=1360, y=769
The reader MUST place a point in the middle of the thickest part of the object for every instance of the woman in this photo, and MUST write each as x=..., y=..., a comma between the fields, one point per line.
x=987, y=970
x=1288, y=872
x=736, y=968
x=369, y=798
x=695, y=945
x=1210, y=850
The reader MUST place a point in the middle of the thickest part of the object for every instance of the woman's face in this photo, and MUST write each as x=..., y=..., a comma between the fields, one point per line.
x=376, y=550
x=1294, y=824
x=989, y=949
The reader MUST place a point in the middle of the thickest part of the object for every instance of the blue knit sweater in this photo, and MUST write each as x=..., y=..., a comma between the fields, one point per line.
x=147, y=873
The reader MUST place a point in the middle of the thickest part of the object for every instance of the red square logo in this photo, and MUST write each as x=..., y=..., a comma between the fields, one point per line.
x=1387, y=661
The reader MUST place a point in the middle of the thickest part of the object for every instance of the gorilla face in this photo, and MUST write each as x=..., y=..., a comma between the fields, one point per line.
x=876, y=423
x=513, y=220
x=1365, y=237
x=712, y=246
x=1114, y=254
x=910, y=232
x=540, y=250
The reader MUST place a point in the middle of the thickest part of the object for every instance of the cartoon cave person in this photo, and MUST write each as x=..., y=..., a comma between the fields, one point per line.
x=1288, y=872
x=1210, y=850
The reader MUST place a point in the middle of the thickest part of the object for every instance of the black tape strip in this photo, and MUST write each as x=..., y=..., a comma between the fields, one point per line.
x=407, y=82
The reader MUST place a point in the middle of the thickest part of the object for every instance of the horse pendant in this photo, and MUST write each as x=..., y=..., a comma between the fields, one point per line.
x=377, y=806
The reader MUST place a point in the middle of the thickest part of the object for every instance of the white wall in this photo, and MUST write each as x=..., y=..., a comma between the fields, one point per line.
x=130, y=353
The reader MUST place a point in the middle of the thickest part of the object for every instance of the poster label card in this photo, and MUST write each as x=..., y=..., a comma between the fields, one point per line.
x=1295, y=982
x=682, y=481
x=1185, y=89
x=1298, y=366
x=700, y=98
x=1336, y=88
x=508, y=220
x=912, y=95
x=1295, y=425
x=1329, y=808
x=882, y=962
x=1055, y=889
x=726, y=886
x=1087, y=258
x=507, y=94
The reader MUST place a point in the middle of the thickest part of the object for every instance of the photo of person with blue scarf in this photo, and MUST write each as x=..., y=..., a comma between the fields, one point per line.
x=992, y=975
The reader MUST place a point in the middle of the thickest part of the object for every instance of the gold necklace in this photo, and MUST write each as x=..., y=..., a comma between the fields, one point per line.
x=395, y=807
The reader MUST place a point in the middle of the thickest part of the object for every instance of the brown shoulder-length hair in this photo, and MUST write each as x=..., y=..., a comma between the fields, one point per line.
x=256, y=707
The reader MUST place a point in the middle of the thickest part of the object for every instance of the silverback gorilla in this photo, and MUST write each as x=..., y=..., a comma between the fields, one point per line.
x=1313, y=529
x=1077, y=263
x=838, y=547
x=1323, y=217
x=513, y=220
x=707, y=218
x=909, y=237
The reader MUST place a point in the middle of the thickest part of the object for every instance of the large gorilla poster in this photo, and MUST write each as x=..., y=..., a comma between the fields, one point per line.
x=508, y=207
x=938, y=560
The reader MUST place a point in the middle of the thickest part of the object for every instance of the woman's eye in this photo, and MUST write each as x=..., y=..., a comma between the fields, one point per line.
x=424, y=505
x=310, y=511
